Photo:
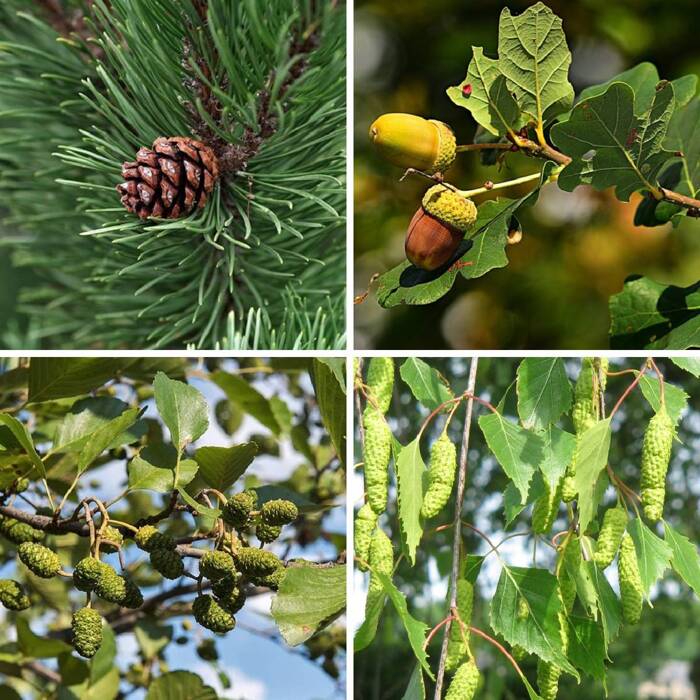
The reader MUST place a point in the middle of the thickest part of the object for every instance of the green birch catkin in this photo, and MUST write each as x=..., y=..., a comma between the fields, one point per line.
x=610, y=537
x=377, y=452
x=458, y=641
x=380, y=381
x=441, y=476
x=365, y=524
x=571, y=560
x=585, y=412
x=631, y=589
x=545, y=509
x=464, y=683
x=381, y=559
x=656, y=455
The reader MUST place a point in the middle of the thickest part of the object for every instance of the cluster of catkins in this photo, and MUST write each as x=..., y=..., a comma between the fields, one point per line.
x=228, y=568
x=373, y=548
x=613, y=540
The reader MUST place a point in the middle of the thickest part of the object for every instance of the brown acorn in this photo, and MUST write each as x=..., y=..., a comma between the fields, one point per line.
x=438, y=227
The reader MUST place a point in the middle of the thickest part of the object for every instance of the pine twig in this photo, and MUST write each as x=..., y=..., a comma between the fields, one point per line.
x=457, y=521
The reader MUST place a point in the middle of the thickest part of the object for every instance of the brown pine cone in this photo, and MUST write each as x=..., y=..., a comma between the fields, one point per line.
x=171, y=180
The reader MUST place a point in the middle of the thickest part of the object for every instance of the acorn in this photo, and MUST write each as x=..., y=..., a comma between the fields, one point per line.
x=413, y=142
x=438, y=227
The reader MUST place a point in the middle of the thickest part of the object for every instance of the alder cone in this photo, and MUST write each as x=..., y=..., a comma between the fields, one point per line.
x=170, y=180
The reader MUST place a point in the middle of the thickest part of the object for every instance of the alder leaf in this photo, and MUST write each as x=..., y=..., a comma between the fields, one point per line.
x=535, y=59
x=610, y=146
x=646, y=314
x=182, y=408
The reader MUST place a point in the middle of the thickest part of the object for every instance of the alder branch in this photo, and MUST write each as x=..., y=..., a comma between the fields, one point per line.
x=457, y=520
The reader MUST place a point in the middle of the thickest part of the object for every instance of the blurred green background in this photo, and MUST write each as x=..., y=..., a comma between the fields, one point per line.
x=577, y=248
x=657, y=659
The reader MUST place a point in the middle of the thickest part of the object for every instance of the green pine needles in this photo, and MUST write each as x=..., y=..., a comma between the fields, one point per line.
x=262, y=265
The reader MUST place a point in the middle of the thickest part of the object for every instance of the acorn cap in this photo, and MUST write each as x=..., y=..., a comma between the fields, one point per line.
x=449, y=207
x=410, y=141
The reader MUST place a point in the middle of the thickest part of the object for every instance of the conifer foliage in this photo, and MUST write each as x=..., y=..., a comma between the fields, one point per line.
x=253, y=258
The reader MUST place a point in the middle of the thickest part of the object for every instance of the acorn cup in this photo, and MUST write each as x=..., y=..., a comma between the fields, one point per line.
x=413, y=142
x=438, y=227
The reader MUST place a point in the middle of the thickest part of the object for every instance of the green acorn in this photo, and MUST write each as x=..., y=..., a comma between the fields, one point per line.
x=87, y=573
x=87, y=632
x=40, y=560
x=236, y=511
x=410, y=141
x=216, y=564
x=438, y=227
x=12, y=595
x=256, y=562
x=279, y=512
x=167, y=562
x=211, y=615
x=149, y=538
x=267, y=533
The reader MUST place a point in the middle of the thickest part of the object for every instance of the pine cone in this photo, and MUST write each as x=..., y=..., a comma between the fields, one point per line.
x=168, y=563
x=12, y=595
x=87, y=632
x=171, y=180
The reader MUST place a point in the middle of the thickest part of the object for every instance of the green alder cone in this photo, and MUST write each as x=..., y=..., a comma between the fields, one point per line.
x=256, y=562
x=548, y=680
x=211, y=615
x=39, y=560
x=464, y=683
x=133, y=598
x=571, y=560
x=267, y=533
x=272, y=580
x=167, y=563
x=215, y=564
x=87, y=632
x=18, y=532
x=232, y=600
x=87, y=573
x=545, y=509
x=111, y=587
x=458, y=641
x=365, y=523
x=115, y=537
x=631, y=589
x=148, y=538
x=376, y=458
x=237, y=509
x=12, y=595
x=380, y=380
x=225, y=587
x=279, y=512
x=656, y=455
x=610, y=537
x=441, y=476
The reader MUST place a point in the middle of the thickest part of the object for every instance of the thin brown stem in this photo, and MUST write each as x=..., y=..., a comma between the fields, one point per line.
x=462, y=148
x=457, y=519
x=629, y=389
x=500, y=648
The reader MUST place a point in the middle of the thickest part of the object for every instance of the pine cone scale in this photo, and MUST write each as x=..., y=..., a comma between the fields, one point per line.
x=172, y=179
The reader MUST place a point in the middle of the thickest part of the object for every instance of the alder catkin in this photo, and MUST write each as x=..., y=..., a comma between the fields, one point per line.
x=545, y=509
x=380, y=381
x=87, y=632
x=656, y=455
x=441, y=476
x=631, y=589
x=365, y=523
x=611, y=531
x=377, y=452
x=459, y=639
x=464, y=683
